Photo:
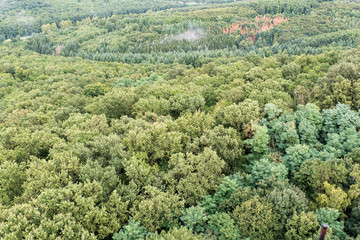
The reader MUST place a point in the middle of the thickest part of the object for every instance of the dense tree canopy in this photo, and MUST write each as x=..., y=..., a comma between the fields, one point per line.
x=179, y=120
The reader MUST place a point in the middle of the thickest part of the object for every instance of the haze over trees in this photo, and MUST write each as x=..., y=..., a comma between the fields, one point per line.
x=179, y=120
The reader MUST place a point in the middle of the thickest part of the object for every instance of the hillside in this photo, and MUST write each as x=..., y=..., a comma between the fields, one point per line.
x=179, y=119
x=24, y=17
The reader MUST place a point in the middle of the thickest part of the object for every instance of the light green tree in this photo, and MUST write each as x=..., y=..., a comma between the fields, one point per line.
x=115, y=103
x=295, y=156
x=257, y=219
x=239, y=115
x=157, y=210
x=223, y=227
x=288, y=201
x=194, y=176
x=195, y=218
x=181, y=233
x=330, y=216
x=264, y=169
x=12, y=177
x=227, y=144
x=301, y=226
x=259, y=143
x=333, y=198
x=132, y=231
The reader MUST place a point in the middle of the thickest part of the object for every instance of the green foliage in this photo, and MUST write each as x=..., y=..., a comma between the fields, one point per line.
x=354, y=191
x=186, y=102
x=156, y=142
x=132, y=231
x=259, y=142
x=290, y=71
x=287, y=202
x=12, y=177
x=152, y=104
x=330, y=217
x=55, y=173
x=264, y=169
x=26, y=220
x=175, y=234
x=194, y=125
x=96, y=89
x=340, y=119
x=295, y=156
x=105, y=176
x=309, y=121
x=341, y=84
x=313, y=173
x=272, y=111
x=354, y=155
x=226, y=142
x=301, y=226
x=223, y=227
x=239, y=115
x=333, y=198
x=256, y=219
x=195, y=219
x=55, y=210
x=194, y=176
x=211, y=202
x=41, y=44
x=158, y=210
x=352, y=223
x=135, y=123
x=114, y=104
x=20, y=145
x=283, y=132
x=237, y=197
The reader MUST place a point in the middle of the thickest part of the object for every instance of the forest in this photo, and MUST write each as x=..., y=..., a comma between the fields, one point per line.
x=179, y=120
